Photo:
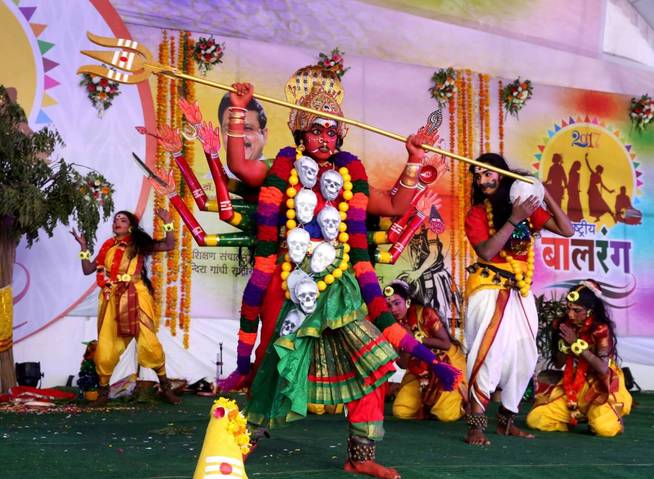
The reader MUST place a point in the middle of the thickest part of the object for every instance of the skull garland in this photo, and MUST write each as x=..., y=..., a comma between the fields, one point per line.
x=295, y=278
x=329, y=220
x=322, y=256
x=305, y=202
x=331, y=183
x=298, y=240
x=292, y=322
x=307, y=294
x=307, y=171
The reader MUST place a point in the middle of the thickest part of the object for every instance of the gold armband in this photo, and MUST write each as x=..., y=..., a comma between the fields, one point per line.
x=409, y=178
x=168, y=227
x=86, y=254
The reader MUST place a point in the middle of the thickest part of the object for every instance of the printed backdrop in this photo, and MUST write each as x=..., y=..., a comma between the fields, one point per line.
x=579, y=142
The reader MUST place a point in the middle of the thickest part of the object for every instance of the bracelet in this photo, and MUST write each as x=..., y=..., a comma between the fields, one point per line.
x=409, y=178
x=168, y=227
x=86, y=254
x=579, y=346
x=419, y=336
x=564, y=348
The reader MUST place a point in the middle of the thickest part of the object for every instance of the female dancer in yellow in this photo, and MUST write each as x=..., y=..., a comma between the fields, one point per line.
x=592, y=387
x=126, y=309
x=420, y=393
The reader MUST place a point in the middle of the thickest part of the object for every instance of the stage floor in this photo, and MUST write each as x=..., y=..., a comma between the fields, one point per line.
x=162, y=441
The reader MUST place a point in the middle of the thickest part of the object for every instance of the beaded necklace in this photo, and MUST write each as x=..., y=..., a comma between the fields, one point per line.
x=343, y=236
x=524, y=280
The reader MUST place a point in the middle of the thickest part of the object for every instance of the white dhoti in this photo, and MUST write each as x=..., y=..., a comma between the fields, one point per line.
x=500, y=336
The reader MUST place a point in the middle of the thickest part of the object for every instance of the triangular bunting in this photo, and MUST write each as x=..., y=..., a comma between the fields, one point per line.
x=595, y=121
x=571, y=120
x=639, y=183
x=636, y=201
x=43, y=118
x=541, y=148
x=45, y=46
x=639, y=193
x=586, y=120
x=49, y=64
x=48, y=101
x=535, y=166
x=636, y=164
x=550, y=133
x=638, y=174
x=633, y=156
x=617, y=133
x=628, y=147
x=564, y=123
x=37, y=28
x=538, y=156
x=49, y=82
x=579, y=119
x=27, y=12
x=557, y=127
x=602, y=124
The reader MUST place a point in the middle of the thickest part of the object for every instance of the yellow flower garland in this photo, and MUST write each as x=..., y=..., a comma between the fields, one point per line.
x=524, y=280
x=237, y=423
x=343, y=237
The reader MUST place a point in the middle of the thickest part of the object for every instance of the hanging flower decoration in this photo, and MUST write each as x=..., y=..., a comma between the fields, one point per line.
x=101, y=91
x=515, y=95
x=444, y=85
x=207, y=53
x=334, y=62
x=641, y=111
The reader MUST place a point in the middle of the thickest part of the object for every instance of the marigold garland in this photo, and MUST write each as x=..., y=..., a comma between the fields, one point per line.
x=500, y=120
x=524, y=279
x=452, y=124
x=237, y=423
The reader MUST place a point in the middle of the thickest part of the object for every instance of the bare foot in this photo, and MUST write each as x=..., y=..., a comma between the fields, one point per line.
x=476, y=437
x=371, y=468
x=512, y=430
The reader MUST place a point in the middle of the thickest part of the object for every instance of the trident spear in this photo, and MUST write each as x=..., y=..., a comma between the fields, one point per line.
x=138, y=61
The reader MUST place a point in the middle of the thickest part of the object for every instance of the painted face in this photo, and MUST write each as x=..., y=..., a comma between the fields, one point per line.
x=121, y=225
x=398, y=306
x=488, y=181
x=320, y=141
x=577, y=314
x=255, y=136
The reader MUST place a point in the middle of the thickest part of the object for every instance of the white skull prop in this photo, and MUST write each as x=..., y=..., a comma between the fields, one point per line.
x=298, y=244
x=292, y=322
x=305, y=203
x=307, y=170
x=322, y=256
x=331, y=183
x=329, y=219
x=521, y=190
x=295, y=278
x=307, y=294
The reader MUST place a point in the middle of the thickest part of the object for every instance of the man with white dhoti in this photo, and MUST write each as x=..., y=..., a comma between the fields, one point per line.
x=501, y=318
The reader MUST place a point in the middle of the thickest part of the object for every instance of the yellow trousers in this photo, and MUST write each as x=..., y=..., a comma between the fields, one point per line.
x=448, y=407
x=149, y=352
x=320, y=409
x=551, y=413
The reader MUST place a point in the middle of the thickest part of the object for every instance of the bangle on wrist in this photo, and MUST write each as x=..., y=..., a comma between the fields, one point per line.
x=579, y=346
x=168, y=227
x=564, y=348
x=409, y=178
x=86, y=254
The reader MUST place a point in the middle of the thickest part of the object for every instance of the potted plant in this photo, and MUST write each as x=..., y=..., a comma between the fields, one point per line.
x=88, y=380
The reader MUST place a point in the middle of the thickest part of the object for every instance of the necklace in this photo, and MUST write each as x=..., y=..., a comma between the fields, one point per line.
x=524, y=279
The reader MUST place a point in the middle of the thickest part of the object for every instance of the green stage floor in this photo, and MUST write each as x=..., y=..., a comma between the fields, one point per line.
x=162, y=441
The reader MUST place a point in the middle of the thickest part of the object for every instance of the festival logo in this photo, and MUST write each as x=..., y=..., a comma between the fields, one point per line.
x=593, y=176
x=28, y=69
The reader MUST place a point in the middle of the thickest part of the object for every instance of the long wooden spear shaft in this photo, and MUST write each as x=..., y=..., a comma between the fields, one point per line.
x=138, y=61
x=365, y=126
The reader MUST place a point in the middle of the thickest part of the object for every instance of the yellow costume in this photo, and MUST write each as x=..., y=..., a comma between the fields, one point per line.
x=114, y=301
x=583, y=395
x=420, y=390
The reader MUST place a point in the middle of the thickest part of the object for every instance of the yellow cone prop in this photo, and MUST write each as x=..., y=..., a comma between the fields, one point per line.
x=225, y=443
